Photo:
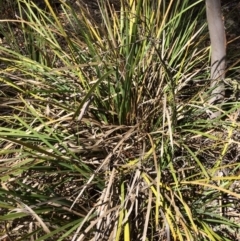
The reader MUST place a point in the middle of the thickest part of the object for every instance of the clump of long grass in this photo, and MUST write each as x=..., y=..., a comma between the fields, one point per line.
x=104, y=128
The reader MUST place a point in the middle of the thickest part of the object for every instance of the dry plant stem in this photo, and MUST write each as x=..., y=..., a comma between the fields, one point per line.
x=218, y=54
x=106, y=161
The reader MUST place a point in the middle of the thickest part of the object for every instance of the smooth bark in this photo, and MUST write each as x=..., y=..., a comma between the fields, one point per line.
x=218, y=52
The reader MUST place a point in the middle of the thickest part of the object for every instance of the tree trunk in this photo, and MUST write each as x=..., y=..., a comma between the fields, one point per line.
x=218, y=53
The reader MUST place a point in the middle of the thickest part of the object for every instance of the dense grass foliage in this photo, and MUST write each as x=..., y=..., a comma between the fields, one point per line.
x=104, y=131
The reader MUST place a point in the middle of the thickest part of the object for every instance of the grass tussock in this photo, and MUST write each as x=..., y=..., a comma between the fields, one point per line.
x=104, y=129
